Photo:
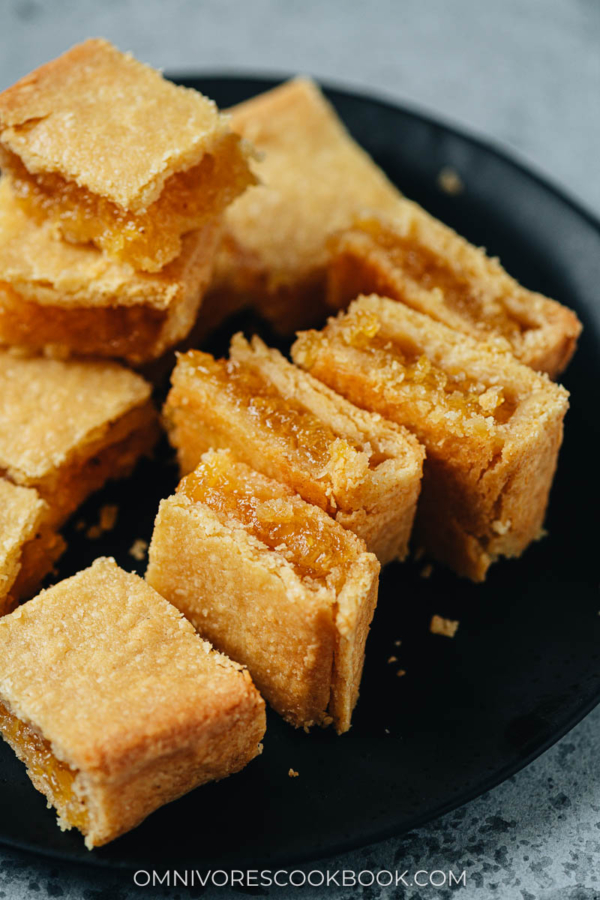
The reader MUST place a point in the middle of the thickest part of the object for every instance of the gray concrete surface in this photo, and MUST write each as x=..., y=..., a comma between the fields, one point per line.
x=524, y=73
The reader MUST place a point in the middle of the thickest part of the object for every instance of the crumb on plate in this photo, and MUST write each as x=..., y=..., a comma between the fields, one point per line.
x=445, y=627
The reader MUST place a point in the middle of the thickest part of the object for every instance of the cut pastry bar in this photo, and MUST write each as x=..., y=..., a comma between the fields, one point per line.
x=116, y=155
x=491, y=427
x=67, y=299
x=114, y=703
x=361, y=470
x=28, y=546
x=412, y=257
x=314, y=179
x=66, y=427
x=273, y=582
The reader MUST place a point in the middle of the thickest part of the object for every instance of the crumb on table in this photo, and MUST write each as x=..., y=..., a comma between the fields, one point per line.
x=293, y=774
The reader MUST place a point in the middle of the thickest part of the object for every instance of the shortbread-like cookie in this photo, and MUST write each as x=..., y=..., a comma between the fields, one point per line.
x=28, y=545
x=114, y=703
x=491, y=426
x=273, y=582
x=414, y=258
x=117, y=156
x=69, y=299
x=66, y=427
x=314, y=179
x=361, y=470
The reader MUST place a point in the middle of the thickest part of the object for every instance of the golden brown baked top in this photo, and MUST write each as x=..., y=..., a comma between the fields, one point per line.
x=102, y=119
x=49, y=407
x=20, y=512
x=110, y=672
x=44, y=269
x=314, y=178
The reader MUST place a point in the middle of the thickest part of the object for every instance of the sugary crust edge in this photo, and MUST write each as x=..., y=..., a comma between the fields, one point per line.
x=14, y=559
x=11, y=101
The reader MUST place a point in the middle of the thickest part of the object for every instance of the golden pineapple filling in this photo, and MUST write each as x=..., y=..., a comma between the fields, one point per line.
x=152, y=238
x=107, y=331
x=432, y=272
x=290, y=424
x=55, y=778
x=310, y=542
x=457, y=395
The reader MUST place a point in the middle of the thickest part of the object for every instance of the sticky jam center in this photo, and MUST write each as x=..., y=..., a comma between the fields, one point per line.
x=416, y=373
x=309, y=542
x=147, y=240
x=56, y=776
x=286, y=420
x=431, y=271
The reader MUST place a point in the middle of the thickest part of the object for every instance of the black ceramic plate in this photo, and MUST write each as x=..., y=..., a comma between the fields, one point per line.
x=524, y=666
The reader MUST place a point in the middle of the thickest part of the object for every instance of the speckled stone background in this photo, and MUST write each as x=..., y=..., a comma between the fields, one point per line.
x=524, y=73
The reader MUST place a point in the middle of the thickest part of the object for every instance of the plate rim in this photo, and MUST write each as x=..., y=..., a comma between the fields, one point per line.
x=507, y=156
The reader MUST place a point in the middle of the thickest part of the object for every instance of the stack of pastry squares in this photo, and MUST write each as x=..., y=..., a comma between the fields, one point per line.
x=115, y=182
x=425, y=409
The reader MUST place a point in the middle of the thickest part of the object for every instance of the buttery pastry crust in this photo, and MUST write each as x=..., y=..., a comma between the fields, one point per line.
x=127, y=698
x=28, y=548
x=492, y=427
x=313, y=179
x=114, y=154
x=111, y=124
x=291, y=597
x=363, y=471
x=71, y=299
x=68, y=426
x=416, y=259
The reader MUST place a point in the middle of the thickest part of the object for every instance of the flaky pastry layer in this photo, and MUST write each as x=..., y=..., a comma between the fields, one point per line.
x=28, y=545
x=414, y=258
